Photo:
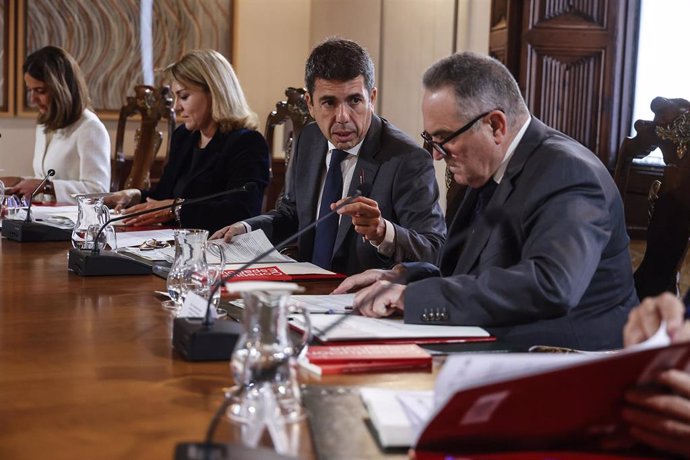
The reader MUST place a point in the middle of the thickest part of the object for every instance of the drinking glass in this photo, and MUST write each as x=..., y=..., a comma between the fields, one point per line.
x=11, y=205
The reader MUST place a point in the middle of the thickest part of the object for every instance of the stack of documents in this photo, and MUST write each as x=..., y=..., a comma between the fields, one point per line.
x=56, y=216
x=351, y=328
x=243, y=248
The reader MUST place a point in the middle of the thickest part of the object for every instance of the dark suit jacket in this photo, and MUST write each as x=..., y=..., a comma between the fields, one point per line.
x=402, y=181
x=551, y=266
x=230, y=160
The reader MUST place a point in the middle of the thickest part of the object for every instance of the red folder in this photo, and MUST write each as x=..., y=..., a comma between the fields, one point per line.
x=274, y=273
x=571, y=409
x=352, y=359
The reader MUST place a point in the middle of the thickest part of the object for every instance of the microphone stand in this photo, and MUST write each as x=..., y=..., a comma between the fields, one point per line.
x=27, y=230
x=204, y=339
x=94, y=263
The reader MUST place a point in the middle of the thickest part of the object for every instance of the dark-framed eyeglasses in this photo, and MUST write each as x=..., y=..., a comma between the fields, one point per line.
x=438, y=146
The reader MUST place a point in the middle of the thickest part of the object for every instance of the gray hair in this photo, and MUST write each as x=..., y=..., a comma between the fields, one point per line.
x=480, y=82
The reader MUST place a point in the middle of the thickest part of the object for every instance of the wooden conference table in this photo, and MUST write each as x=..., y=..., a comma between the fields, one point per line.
x=87, y=369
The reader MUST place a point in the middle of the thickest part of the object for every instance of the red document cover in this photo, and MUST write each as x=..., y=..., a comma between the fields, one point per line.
x=332, y=354
x=569, y=409
x=274, y=273
x=351, y=359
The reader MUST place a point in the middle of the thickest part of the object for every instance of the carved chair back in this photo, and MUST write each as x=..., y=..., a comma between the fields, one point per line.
x=151, y=105
x=669, y=199
x=293, y=115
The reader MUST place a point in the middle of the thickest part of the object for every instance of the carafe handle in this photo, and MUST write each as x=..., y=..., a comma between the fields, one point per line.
x=306, y=334
x=215, y=274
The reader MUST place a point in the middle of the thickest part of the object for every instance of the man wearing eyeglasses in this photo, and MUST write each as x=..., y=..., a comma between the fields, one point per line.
x=538, y=251
x=349, y=147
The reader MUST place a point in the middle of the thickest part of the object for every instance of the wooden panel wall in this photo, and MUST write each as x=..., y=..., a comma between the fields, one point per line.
x=571, y=56
x=575, y=64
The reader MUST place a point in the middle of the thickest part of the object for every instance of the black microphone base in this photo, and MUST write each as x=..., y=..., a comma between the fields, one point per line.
x=196, y=342
x=19, y=230
x=85, y=263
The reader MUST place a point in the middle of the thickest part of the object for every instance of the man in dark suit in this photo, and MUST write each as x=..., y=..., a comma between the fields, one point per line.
x=349, y=146
x=538, y=251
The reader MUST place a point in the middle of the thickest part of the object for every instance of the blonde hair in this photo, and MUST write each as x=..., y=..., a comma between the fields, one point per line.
x=208, y=69
x=69, y=95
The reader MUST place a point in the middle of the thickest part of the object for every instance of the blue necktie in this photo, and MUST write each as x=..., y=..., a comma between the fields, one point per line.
x=328, y=229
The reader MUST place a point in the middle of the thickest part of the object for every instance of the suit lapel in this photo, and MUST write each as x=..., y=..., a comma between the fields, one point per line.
x=479, y=235
x=309, y=176
x=480, y=230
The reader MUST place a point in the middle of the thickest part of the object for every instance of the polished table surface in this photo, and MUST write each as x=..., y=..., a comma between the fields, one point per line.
x=87, y=369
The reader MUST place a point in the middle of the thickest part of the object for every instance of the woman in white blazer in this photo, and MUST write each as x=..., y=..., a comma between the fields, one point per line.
x=69, y=137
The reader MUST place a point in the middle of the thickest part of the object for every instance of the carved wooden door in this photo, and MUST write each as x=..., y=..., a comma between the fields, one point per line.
x=575, y=65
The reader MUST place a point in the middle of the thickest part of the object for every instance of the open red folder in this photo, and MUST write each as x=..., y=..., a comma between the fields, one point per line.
x=576, y=407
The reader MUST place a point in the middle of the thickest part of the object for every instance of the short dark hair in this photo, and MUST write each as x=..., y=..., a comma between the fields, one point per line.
x=480, y=83
x=340, y=60
x=65, y=83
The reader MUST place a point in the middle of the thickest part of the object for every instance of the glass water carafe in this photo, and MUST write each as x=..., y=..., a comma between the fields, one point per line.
x=92, y=214
x=264, y=364
x=190, y=270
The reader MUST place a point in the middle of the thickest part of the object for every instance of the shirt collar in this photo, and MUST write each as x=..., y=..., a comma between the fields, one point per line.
x=500, y=172
x=352, y=151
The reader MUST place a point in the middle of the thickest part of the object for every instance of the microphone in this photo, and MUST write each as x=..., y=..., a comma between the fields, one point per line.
x=51, y=173
x=204, y=339
x=91, y=262
x=27, y=230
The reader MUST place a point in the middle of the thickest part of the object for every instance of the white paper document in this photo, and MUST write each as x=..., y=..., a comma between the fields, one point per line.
x=246, y=247
x=389, y=416
x=55, y=216
x=338, y=327
x=337, y=303
x=194, y=306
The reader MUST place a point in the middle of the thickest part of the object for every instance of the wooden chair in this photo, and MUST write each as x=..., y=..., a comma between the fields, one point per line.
x=152, y=105
x=669, y=199
x=293, y=115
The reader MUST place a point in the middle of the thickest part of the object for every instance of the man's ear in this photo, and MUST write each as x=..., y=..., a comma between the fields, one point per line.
x=372, y=96
x=310, y=103
x=499, y=125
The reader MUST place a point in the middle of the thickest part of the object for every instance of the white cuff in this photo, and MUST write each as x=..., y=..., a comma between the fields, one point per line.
x=387, y=246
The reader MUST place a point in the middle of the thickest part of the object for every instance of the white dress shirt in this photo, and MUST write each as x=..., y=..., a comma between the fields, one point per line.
x=347, y=167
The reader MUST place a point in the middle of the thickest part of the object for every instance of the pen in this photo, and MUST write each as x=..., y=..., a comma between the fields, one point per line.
x=361, y=182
